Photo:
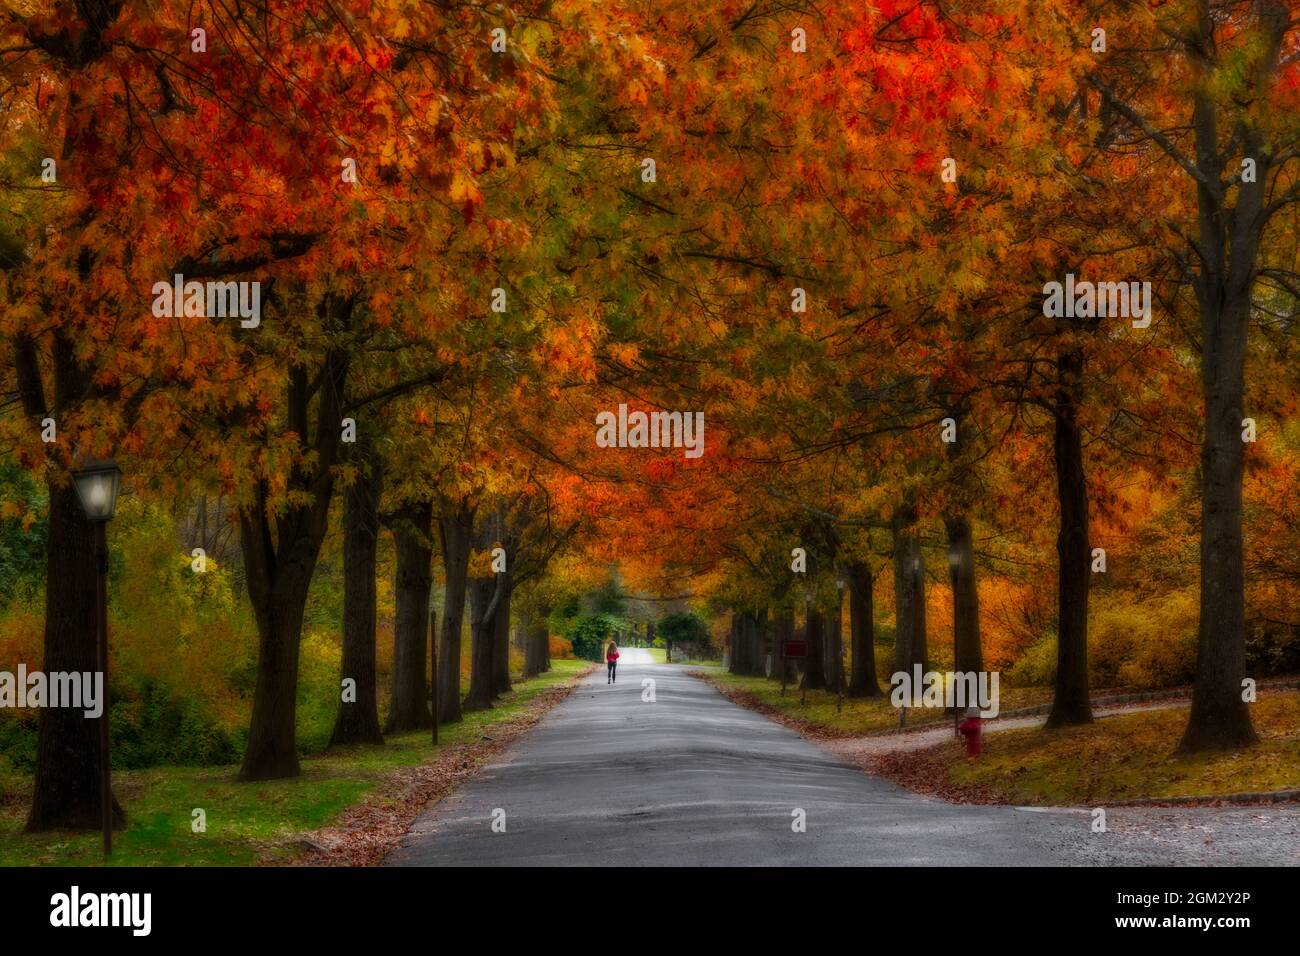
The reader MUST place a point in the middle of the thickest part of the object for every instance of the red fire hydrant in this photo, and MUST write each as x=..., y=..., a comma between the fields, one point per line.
x=970, y=729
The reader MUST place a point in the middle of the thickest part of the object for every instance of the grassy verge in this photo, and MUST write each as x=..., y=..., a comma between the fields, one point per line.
x=825, y=716
x=256, y=822
x=1126, y=757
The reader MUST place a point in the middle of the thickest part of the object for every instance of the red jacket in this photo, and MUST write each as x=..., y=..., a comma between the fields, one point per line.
x=611, y=655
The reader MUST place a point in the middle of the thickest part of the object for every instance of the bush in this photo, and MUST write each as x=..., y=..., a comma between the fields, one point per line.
x=1273, y=649
x=183, y=645
x=1139, y=644
x=24, y=528
x=1037, y=667
x=318, y=689
x=18, y=739
x=1145, y=644
x=686, y=634
x=588, y=634
x=154, y=726
x=150, y=725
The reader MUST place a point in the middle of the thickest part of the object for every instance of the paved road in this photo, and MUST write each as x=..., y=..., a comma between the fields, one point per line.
x=693, y=779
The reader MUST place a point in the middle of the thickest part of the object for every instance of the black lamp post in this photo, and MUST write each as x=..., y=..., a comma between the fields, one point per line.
x=97, y=484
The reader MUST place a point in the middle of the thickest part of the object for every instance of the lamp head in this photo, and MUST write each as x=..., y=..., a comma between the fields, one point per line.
x=97, y=485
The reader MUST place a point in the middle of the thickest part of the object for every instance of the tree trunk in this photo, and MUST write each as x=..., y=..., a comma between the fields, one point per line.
x=757, y=640
x=455, y=530
x=432, y=703
x=412, y=536
x=833, y=645
x=862, y=681
x=733, y=641
x=527, y=623
x=66, y=789
x=1219, y=718
x=280, y=550
x=814, y=675
x=483, y=599
x=749, y=637
x=277, y=588
x=782, y=631
x=501, y=652
x=358, y=720
x=544, y=641
x=968, y=654
x=536, y=637
x=909, y=594
x=272, y=750
x=1071, y=704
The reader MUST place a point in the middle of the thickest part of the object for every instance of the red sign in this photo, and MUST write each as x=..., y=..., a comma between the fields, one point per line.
x=795, y=649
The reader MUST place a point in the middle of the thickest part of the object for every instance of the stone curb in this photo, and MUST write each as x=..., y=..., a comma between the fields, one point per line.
x=1112, y=699
x=1275, y=796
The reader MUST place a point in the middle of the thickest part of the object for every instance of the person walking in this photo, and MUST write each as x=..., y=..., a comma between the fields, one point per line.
x=611, y=658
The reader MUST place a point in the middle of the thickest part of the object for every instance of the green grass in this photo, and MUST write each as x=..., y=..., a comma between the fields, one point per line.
x=850, y=717
x=246, y=822
x=1129, y=757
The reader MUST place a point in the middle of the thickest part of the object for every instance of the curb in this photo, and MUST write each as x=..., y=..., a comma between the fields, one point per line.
x=1106, y=701
x=1275, y=796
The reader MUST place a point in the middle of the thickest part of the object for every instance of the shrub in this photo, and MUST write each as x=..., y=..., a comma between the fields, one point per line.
x=1273, y=649
x=588, y=634
x=1138, y=644
x=24, y=528
x=155, y=726
x=1037, y=666
x=1145, y=643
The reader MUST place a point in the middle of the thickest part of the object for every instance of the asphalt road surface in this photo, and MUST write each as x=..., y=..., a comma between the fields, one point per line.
x=608, y=778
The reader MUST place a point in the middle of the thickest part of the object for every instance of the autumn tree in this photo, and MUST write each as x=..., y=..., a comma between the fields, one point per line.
x=1218, y=102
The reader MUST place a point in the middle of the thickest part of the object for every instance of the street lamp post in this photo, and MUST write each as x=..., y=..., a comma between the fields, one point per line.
x=97, y=485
